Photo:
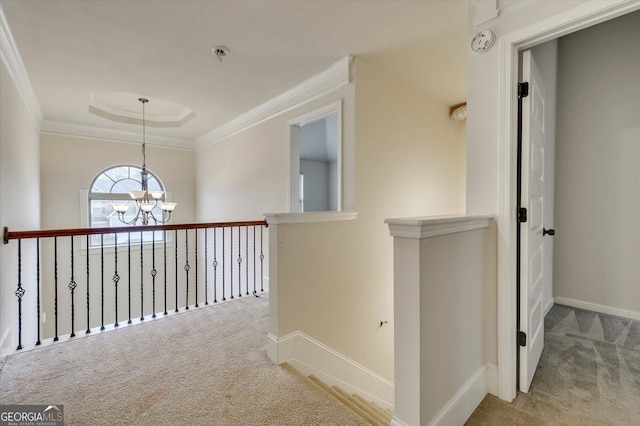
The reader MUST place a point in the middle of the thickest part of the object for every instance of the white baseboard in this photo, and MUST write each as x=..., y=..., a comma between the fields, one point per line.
x=310, y=356
x=469, y=396
x=548, y=306
x=609, y=310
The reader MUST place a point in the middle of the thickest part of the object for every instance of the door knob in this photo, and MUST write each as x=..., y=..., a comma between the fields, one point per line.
x=546, y=231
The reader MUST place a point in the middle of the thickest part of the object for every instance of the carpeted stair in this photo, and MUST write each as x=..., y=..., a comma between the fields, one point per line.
x=369, y=411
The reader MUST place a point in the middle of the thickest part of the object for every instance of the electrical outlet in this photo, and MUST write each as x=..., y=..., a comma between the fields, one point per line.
x=44, y=317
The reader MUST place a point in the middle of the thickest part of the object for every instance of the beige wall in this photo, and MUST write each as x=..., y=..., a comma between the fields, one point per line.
x=19, y=203
x=335, y=280
x=245, y=175
x=69, y=164
x=597, y=178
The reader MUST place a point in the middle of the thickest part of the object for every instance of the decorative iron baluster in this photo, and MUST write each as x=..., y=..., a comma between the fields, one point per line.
x=38, y=286
x=129, y=274
x=246, y=256
x=19, y=294
x=102, y=282
x=223, y=265
x=72, y=286
x=261, y=262
x=196, y=261
x=153, y=274
x=55, y=281
x=116, y=277
x=239, y=262
x=141, y=276
x=176, y=264
x=206, y=268
x=215, y=265
x=88, y=319
x=164, y=235
x=186, y=266
x=231, y=264
x=254, y=260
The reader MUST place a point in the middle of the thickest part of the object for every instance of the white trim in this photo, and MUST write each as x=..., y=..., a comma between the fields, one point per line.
x=594, y=307
x=313, y=217
x=68, y=129
x=582, y=16
x=336, y=76
x=293, y=130
x=16, y=69
x=310, y=356
x=549, y=305
x=397, y=422
x=433, y=226
x=466, y=400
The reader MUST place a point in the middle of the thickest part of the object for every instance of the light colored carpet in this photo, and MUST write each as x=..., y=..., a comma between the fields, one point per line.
x=205, y=367
x=589, y=374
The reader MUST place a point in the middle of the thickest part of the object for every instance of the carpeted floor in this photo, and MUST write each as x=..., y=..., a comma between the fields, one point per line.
x=589, y=374
x=205, y=367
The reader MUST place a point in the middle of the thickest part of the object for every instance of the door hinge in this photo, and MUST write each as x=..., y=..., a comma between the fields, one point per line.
x=523, y=90
x=522, y=214
x=522, y=338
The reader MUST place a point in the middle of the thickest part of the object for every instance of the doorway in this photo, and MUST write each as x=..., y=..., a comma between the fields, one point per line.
x=583, y=16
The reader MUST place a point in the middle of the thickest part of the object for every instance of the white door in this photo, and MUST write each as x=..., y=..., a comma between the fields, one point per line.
x=532, y=267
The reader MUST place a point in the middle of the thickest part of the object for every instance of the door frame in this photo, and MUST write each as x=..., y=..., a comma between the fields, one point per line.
x=582, y=16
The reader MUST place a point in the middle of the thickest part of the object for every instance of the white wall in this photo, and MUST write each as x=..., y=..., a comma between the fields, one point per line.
x=597, y=178
x=19, y=204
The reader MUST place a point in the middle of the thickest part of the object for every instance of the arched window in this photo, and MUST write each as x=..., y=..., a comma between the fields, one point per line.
x=113, y=186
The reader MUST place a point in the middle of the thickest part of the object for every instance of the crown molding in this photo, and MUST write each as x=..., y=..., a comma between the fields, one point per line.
x=68, y=129
x=336, y=76
x=13, y=61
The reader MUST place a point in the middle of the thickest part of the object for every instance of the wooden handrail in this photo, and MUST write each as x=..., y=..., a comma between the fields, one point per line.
x=48, y=233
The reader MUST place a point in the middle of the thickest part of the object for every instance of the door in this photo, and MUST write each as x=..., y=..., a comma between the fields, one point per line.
x=532, y=265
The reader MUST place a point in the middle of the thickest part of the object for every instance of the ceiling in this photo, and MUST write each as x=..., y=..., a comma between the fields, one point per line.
x=162, y=50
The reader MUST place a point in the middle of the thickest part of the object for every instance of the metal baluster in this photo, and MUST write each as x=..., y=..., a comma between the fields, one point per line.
x=254, y=260
x=141, y=276
x=55, y=300
x=231, y=263
x=196, y=260
x=246, y=257
x=38, y=286
x=88, y=282
x=102, y=281
x=215, y=265
x=164, y=236
x=116, y=277
x=223, y=265
x=129, y=273
x=206, y=268
x=186, y=266
x=239, y=262
x=261, y=262
x=72, y=286
x=176, y=263
x=19, y=293
x=153, y=274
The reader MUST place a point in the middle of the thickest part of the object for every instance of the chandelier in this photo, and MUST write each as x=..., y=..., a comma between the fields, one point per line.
x=146, y=201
